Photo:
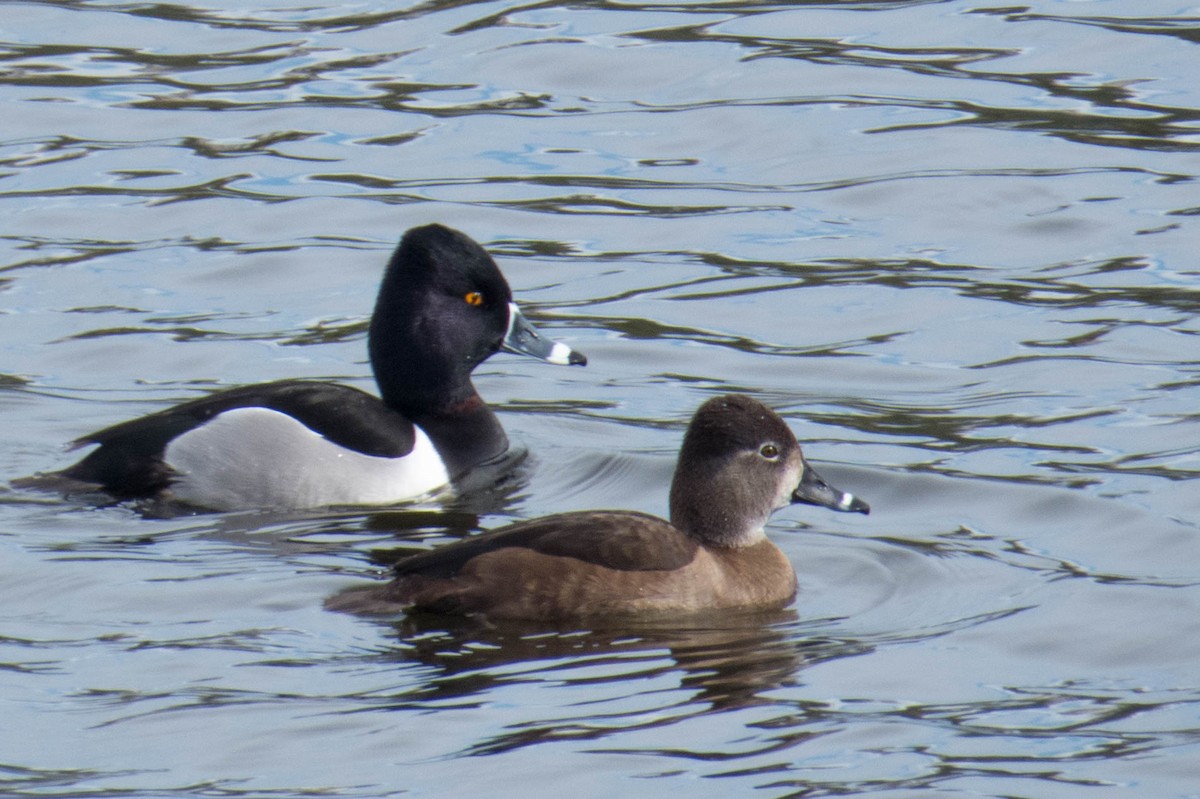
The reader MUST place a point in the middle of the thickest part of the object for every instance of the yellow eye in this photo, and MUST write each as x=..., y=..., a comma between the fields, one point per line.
x=769, y=451
x=474, y=298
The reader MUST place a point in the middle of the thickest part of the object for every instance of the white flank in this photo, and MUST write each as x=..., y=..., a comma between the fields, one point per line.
x=260, y=458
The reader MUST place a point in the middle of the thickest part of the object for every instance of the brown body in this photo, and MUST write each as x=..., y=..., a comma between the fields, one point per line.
x=641, y=566
x=739, y=462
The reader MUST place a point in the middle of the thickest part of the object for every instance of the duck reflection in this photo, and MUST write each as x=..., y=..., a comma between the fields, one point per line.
x=722, y=661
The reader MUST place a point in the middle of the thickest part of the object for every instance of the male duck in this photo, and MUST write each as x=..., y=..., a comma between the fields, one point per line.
x=739, y=462
x=443, y=308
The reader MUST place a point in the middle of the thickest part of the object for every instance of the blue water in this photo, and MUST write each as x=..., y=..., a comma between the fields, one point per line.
x=953, y=243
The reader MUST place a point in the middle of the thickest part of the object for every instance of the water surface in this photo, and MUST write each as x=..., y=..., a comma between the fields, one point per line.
x=953, y=243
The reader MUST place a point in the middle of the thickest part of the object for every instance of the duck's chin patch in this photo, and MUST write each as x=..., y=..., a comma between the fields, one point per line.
x=745, y=538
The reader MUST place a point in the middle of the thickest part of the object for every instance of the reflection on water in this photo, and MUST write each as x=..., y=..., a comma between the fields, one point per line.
x=722, y=661
x=953, y=244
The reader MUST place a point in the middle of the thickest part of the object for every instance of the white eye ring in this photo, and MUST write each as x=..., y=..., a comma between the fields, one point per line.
x=769, y=451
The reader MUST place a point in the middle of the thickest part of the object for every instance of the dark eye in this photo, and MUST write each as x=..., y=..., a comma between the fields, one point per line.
x=474, y=298
x=769, y=451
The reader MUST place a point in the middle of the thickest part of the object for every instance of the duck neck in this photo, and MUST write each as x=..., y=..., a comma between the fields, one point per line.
x=463, y=429
x=418, y=389
x=465, y=435
x=708, y=512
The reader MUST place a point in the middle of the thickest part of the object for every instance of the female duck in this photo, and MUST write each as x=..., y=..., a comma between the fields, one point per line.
x=443, y=308
x=739, y=462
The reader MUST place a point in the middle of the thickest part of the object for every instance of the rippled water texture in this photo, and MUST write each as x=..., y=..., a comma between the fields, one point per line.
x=954, y=243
